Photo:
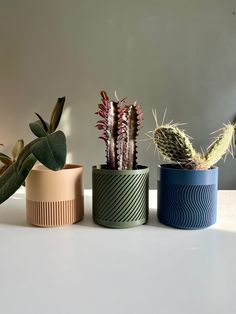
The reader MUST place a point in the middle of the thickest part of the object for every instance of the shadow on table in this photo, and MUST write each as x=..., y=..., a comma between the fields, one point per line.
x=152, y=220
x=14, y=216
x=12, y=213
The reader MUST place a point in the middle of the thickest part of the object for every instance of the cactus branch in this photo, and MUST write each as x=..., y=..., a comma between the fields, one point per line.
x=135, y=121
x=221, y=146
x=109, y=125
x=120, y=124
x=174, y=145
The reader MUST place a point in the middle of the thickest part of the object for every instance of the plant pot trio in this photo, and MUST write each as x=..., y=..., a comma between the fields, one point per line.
x=187, y=186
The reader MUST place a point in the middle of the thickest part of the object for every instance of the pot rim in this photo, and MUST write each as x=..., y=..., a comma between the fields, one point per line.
x=168, y=167
x=102, y=168
x=67, y=167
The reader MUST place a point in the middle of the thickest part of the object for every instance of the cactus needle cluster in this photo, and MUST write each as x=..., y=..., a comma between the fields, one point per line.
x=175, y=146
x=120, y=124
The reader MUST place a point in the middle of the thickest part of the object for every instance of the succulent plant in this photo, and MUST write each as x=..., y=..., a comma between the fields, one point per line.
x=49, y=148
x=174, y=145
x=120, y=124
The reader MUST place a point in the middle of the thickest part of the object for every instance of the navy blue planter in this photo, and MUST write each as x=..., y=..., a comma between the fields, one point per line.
x=187, y=199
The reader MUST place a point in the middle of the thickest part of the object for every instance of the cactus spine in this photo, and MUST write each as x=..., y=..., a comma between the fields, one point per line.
x=174, y=145
x=120, y=124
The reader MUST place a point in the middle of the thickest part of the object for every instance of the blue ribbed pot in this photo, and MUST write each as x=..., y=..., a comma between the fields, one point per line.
x=187, y=199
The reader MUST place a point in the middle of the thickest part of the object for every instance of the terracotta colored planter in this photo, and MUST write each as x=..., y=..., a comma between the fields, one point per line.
x=54, y=198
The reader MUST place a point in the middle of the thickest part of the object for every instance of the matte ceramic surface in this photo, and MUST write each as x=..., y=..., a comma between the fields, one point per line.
x=187, y=199
x=54, y=198
x=120, y=197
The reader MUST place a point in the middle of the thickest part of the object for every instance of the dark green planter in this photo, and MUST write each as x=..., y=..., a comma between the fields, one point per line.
x=120, y=197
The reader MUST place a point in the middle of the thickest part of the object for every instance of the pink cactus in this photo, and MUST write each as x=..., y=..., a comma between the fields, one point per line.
x=120, y=124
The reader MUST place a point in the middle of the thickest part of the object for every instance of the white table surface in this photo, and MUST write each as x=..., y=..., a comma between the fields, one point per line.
x=85, y=268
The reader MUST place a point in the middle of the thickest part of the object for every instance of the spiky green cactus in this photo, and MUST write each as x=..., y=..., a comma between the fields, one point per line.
x=220, y=146
x=174, y=145
x=135, y=119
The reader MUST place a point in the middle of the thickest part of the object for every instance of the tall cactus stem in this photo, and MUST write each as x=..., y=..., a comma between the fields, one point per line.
x=120, y=124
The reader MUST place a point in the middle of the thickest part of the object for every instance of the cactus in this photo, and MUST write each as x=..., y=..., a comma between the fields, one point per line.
x=49, y=148
x=174, y=145
x=108, y=111
x=120, y=124
x=135, y=115
x=220, y=146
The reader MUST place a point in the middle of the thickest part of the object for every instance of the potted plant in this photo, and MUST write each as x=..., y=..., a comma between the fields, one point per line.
x=120, y=187
x=54, y=193
x=187, y=188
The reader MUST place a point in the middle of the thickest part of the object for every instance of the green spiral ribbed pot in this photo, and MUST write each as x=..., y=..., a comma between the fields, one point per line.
x=120, y=197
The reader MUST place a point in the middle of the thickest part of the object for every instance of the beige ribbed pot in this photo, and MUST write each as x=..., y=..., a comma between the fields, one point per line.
x=54, y=198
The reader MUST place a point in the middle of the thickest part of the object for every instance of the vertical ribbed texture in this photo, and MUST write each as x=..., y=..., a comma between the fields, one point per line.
x=120, y=199
x=52, y=214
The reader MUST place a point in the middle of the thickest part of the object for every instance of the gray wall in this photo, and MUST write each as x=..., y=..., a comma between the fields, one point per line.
x=166, y=53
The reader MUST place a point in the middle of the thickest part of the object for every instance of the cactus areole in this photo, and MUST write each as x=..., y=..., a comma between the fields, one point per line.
x=120, y=124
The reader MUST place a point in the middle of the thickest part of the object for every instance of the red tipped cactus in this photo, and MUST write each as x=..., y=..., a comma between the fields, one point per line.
x=120, y=124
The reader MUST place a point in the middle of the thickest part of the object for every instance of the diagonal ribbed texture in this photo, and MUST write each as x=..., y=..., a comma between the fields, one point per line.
x=120, y=199
x=187, y=206
x=52, y=214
